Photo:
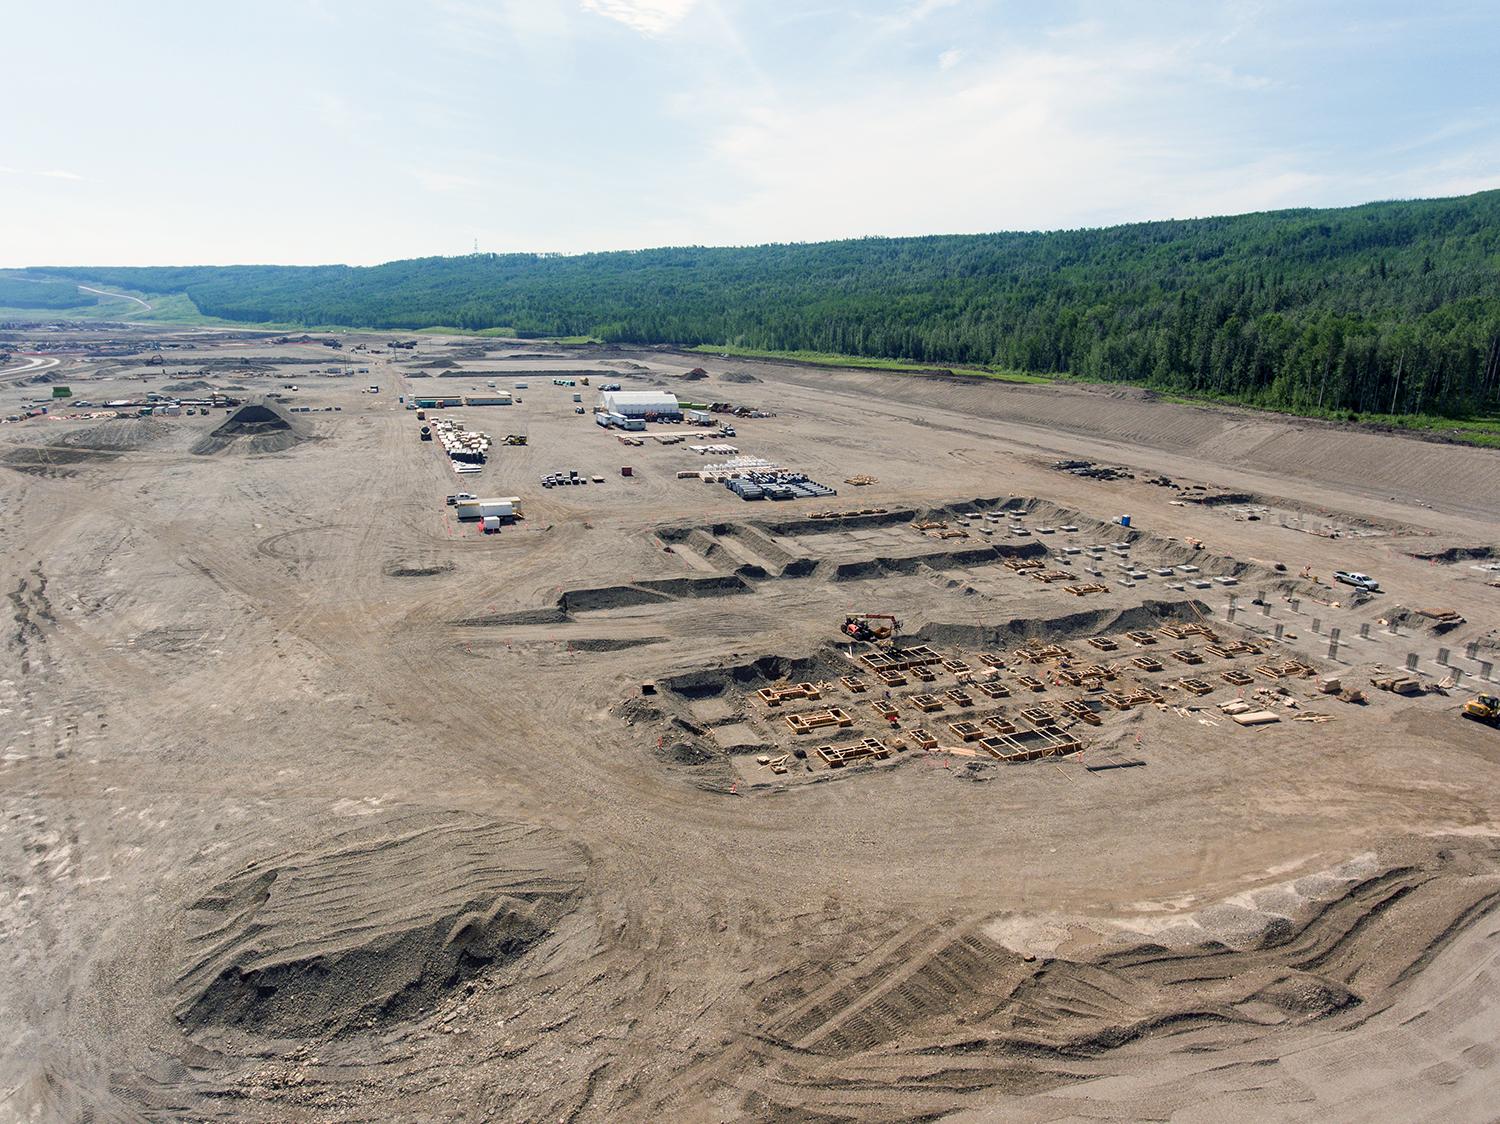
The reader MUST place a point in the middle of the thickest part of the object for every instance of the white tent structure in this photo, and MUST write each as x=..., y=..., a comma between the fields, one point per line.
x=639, y=403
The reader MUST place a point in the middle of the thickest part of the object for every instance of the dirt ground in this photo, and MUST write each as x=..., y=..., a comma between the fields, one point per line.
x=320, y=804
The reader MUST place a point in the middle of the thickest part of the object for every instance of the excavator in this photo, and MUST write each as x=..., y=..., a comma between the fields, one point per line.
x=862, y=626
x=1483, y=708
x=515, y=439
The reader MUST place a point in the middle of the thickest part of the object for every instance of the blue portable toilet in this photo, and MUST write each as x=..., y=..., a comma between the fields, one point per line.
x=1124, y=520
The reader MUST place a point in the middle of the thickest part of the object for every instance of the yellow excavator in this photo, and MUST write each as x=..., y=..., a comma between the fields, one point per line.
x=1483, y=708
x=515, y=439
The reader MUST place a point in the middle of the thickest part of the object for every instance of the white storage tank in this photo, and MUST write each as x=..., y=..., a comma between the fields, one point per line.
x=491, y=523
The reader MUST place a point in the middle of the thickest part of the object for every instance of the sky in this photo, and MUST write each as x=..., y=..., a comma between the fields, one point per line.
x=360, y=131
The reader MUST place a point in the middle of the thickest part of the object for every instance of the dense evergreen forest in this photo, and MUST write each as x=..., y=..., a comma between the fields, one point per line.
x=1383, y=308
x=19, y=293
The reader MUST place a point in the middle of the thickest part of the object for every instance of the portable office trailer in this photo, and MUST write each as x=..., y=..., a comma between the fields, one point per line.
x=504, y=507
x=698, y=417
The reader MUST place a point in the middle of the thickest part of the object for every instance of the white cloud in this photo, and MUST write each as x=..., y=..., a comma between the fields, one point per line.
x=950, y=58
x=45, y=173
x=649, y=17
x=433, y=179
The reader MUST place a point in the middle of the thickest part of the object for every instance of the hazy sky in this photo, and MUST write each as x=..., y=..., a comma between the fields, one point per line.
x=178, y=131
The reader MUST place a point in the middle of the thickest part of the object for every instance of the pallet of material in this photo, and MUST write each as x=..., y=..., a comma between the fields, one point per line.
x=1081, y=710
x=1186, y=655
x=926, y=703
x=965, y=731
x=1442, y=616
x=891, y=678
x=1255, y=718
x=1147, y=663
x=1140, y=638
x=957, y=667
x=779, y=764
x=1103, y=643
x=1196, y=686
x=993, y=690
x=1085, y=590
x=836, y=757
x=959, y=697
x=775, y=696
x=853, y=684
x=1237, y=677
x=817, y=719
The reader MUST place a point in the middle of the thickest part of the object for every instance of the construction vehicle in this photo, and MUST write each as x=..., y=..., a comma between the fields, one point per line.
x=1483, y=708
x=861, y=626
x=515, y=439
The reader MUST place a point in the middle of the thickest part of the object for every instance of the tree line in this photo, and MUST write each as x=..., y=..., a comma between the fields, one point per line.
x=1383, y=308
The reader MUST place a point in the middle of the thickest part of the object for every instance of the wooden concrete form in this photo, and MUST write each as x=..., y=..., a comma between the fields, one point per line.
x=900, y=660
x=1037, y=717
x=922, y=739
x=1050, y=576
x=1141, y=638
x=1195, y=686
x=853, y=684
x=1031, y=683
x=1000, y=724
x=775, y=696
x=957, y=667
x=1082, y=711
x=992, y=659
x=891, y=678
x=1021, y=565
x=1085, y=590
x=836, y=757
x=922, y=673
x=1012, y=750
x=959, y=697
x=965, y=731
x=1228, y=649
x=886, y=710
x=926, y=703
x=1147, y=663
x=817, y=719
x=1103, y=643
x=1183, y=631
x=991, y=689
x=1140, y=696
x=1237, y=677
x=1289, y=669
x=1186, y=655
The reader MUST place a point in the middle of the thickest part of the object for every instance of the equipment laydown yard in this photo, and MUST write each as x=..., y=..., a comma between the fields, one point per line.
x=322, y=804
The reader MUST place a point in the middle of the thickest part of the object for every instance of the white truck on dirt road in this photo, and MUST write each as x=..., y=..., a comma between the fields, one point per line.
x=1357, y=580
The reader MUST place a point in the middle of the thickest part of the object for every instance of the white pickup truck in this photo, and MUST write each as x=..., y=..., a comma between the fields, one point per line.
x=1357, y=580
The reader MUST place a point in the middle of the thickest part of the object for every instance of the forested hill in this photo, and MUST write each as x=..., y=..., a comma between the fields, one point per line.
x=1388, y=307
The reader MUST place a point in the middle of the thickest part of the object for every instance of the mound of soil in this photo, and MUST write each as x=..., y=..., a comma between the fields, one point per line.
x=372, y=924
x=410, y=569
x=256, y=427
x=737, y=376
x=187, y=387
